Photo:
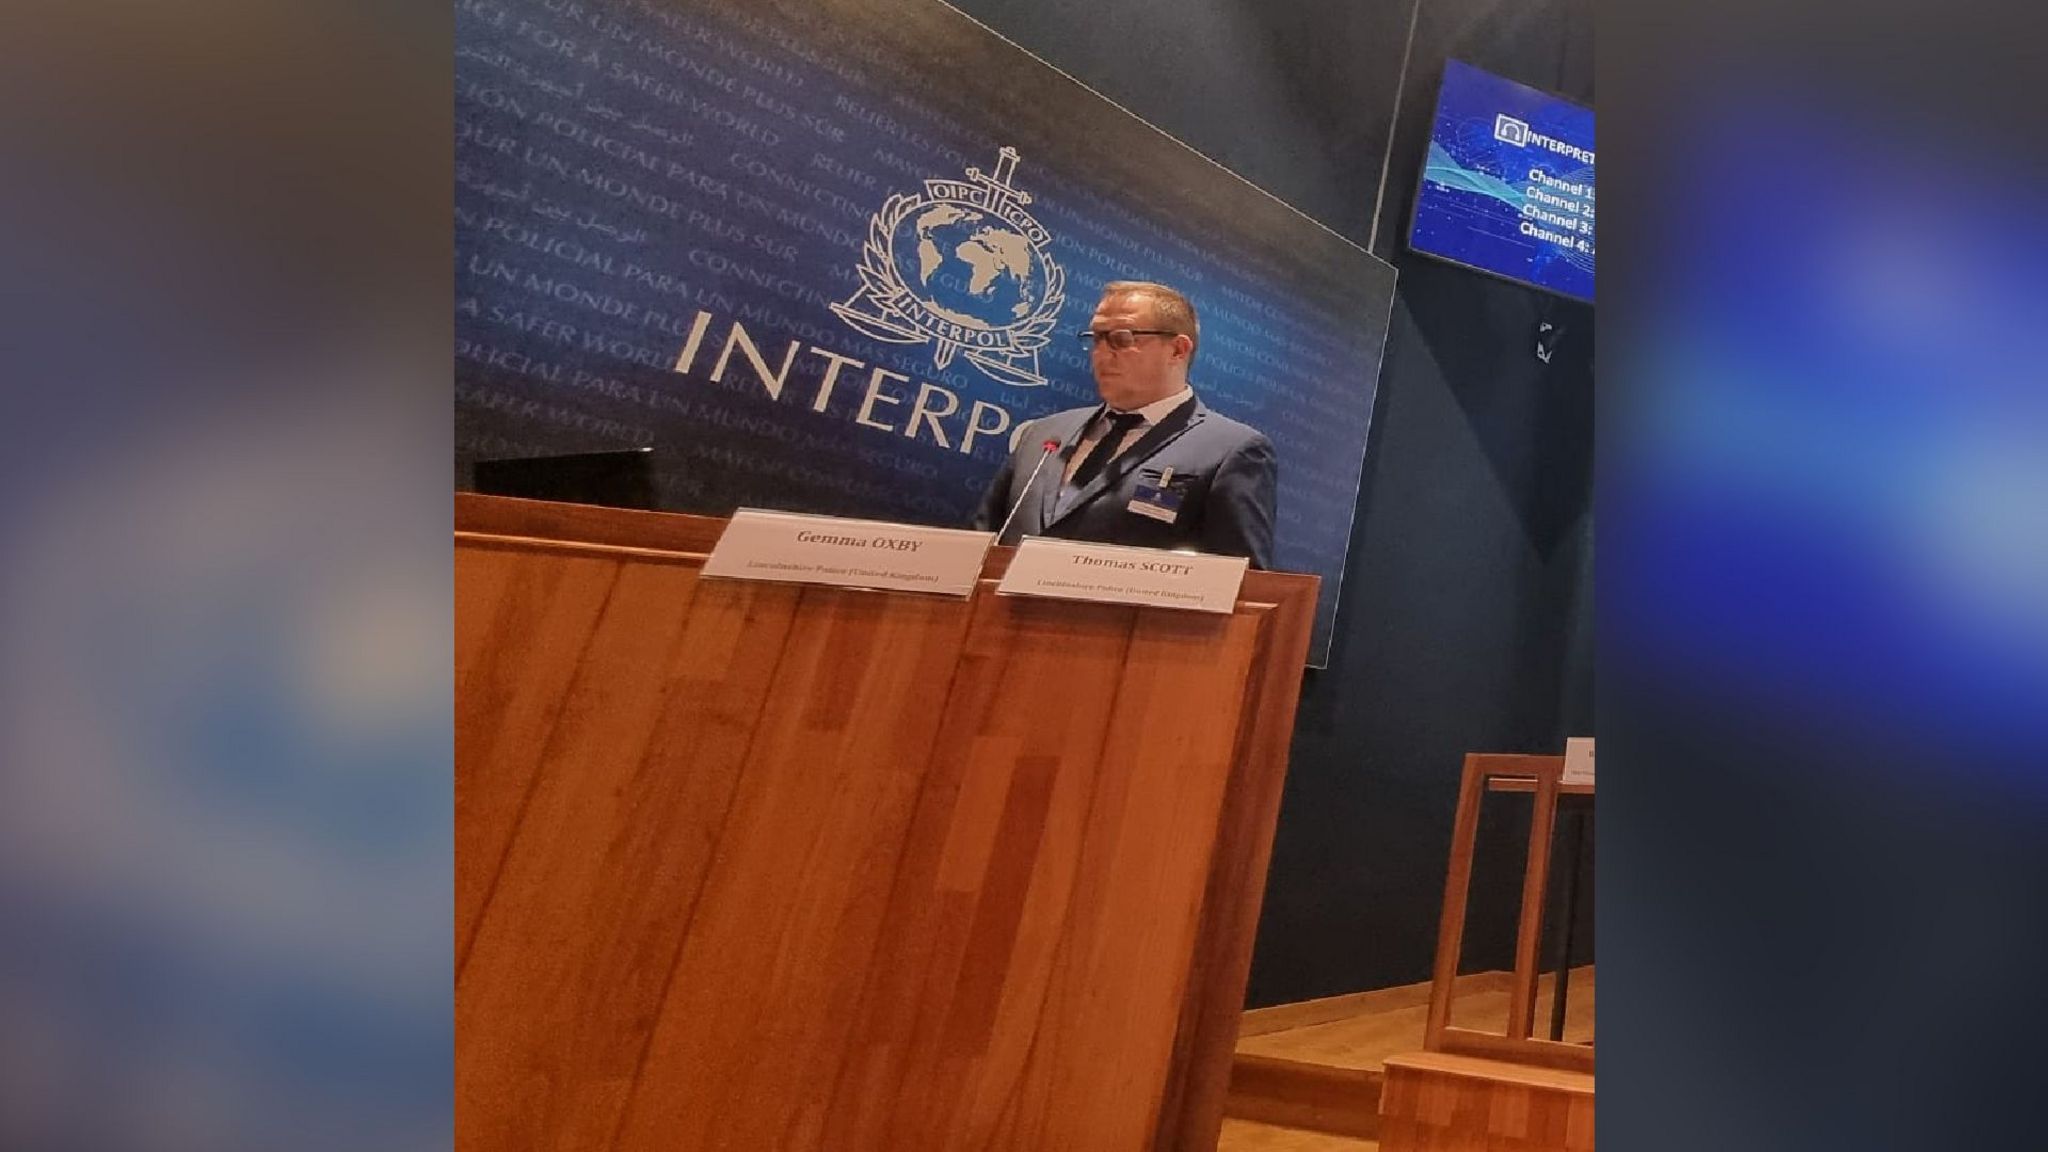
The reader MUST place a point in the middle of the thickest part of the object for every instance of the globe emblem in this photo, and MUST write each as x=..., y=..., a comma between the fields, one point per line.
x=964, y=269
x=968, y=266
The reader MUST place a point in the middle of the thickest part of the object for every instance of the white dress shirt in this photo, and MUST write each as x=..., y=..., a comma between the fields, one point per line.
x=1153, y=413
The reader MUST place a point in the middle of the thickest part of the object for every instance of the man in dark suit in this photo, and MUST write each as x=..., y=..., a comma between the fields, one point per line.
x=1150, y=466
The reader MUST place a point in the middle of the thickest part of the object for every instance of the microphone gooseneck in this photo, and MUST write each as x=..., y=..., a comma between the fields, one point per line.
x=1050, y=447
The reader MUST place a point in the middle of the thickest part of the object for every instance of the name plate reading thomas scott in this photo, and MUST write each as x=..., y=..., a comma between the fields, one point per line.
x=1069, y=570
x=786, y=546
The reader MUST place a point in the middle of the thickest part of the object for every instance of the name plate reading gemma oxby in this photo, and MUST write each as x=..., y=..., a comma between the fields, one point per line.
x=1070, y=570
x=760, y=545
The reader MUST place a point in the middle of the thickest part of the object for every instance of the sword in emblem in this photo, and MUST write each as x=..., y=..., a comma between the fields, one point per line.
x=1000, y=194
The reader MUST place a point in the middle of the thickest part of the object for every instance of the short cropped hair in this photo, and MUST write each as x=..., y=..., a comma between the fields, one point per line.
x=1170, y=310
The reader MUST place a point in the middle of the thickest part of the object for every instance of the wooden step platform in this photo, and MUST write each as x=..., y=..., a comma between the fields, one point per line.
x=1252, y=1136
x=1319, y=1064
x=1301, y=1094
x=1437, y=1102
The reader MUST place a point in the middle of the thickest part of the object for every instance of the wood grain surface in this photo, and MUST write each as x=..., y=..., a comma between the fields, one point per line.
x=750, y=866
x=1438, y=1102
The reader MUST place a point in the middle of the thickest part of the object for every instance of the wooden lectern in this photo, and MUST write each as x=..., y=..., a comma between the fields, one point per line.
x=761, y=866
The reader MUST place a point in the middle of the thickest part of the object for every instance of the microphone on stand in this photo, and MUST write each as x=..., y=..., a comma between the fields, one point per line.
x=1050, y=446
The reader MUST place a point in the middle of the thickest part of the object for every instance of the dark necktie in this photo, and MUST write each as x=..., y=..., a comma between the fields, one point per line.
x=1120, y=425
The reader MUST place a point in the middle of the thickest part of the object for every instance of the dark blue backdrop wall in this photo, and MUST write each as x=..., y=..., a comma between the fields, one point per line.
x=1466, y=619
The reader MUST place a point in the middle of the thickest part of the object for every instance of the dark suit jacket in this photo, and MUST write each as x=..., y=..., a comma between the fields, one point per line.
x=1224, y=470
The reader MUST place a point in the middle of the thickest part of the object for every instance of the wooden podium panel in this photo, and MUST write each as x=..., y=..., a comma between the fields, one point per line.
x=758, y=866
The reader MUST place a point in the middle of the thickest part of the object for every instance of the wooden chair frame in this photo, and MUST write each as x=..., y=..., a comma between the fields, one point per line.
x=1486, y=772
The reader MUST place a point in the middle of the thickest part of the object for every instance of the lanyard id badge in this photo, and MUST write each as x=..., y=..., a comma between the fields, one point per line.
x=1158, y=499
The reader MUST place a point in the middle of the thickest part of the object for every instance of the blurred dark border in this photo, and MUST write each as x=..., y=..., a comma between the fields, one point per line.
x=224, y=584
x=1820, y=877
x=224, y=571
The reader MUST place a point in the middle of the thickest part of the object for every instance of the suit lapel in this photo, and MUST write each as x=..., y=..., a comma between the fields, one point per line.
x=1150, y=444
x=1053, y=482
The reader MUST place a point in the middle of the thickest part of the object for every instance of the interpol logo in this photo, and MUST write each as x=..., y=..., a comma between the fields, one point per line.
x=964, y=268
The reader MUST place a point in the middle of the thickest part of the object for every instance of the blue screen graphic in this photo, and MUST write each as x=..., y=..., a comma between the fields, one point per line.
x=1508, y=187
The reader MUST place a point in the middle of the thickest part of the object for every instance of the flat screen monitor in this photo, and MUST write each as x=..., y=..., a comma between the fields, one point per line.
x=619, y=479
x=1508, y=186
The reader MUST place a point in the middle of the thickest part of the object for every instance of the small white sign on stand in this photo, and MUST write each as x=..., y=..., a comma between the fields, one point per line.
x=787, y=546
x=1578, y=760
x=1070, y=570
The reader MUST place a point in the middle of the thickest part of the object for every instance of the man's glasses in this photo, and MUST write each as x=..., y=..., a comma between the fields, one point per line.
x=1120, y=338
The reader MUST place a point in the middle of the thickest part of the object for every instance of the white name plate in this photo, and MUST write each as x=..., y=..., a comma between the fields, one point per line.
x=1069, y=570
x=1578, y=760
x=785, y=546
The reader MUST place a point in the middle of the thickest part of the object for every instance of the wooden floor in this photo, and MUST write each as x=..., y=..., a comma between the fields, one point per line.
x=1309, y=1073
x=1362, y=1030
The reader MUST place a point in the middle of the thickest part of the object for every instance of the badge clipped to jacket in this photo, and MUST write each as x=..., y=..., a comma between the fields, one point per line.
x=1158, y=497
